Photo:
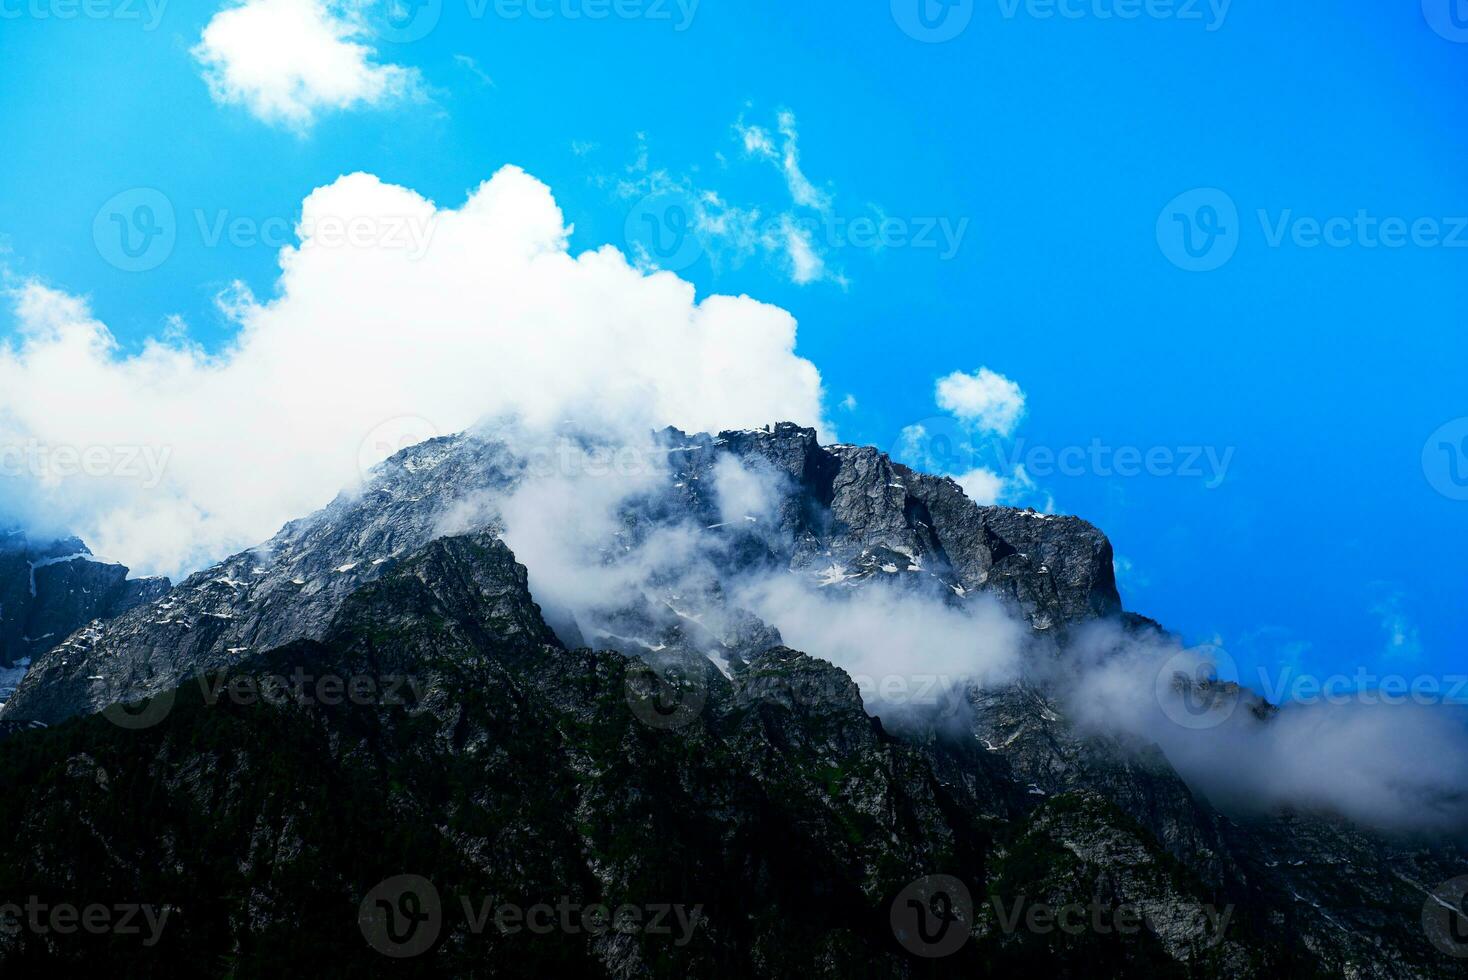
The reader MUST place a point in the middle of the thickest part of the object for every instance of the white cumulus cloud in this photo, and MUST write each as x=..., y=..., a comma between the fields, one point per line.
x=286, y=61
x=390, y=312
x=985, y=399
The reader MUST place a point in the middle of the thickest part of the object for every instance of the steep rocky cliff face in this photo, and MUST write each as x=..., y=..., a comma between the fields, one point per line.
x=50, y=589
x=659, y=751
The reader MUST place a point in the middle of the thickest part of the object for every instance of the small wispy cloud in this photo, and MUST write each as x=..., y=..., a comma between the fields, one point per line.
x=789, y=234
x=1402, y=639
x=805, y=261
x=758, y=142
x=467, y=63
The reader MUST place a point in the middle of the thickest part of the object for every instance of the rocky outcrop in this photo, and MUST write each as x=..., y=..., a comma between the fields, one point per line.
x=50, y=589
x=844, y=515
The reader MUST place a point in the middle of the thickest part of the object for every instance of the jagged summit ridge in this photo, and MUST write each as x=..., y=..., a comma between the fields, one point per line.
x=844, y=516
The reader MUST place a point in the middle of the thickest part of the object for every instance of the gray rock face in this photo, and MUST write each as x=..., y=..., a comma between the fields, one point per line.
x=844, y=515
x=50, y=589
x=855, y=511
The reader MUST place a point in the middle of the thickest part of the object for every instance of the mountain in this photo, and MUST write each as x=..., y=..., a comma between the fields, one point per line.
x=50, y=589
x=358, y=740
x=843, y=512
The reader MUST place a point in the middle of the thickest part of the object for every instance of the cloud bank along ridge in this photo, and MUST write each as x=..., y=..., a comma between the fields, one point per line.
x=389, y=308
x=1395, y=766
x=903, y=648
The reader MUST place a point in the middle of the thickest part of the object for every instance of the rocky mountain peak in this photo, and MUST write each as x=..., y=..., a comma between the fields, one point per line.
x=658, y=743
x=842, y=517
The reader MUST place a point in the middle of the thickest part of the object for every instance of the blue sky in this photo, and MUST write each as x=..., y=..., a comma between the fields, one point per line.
x=1050, y=146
